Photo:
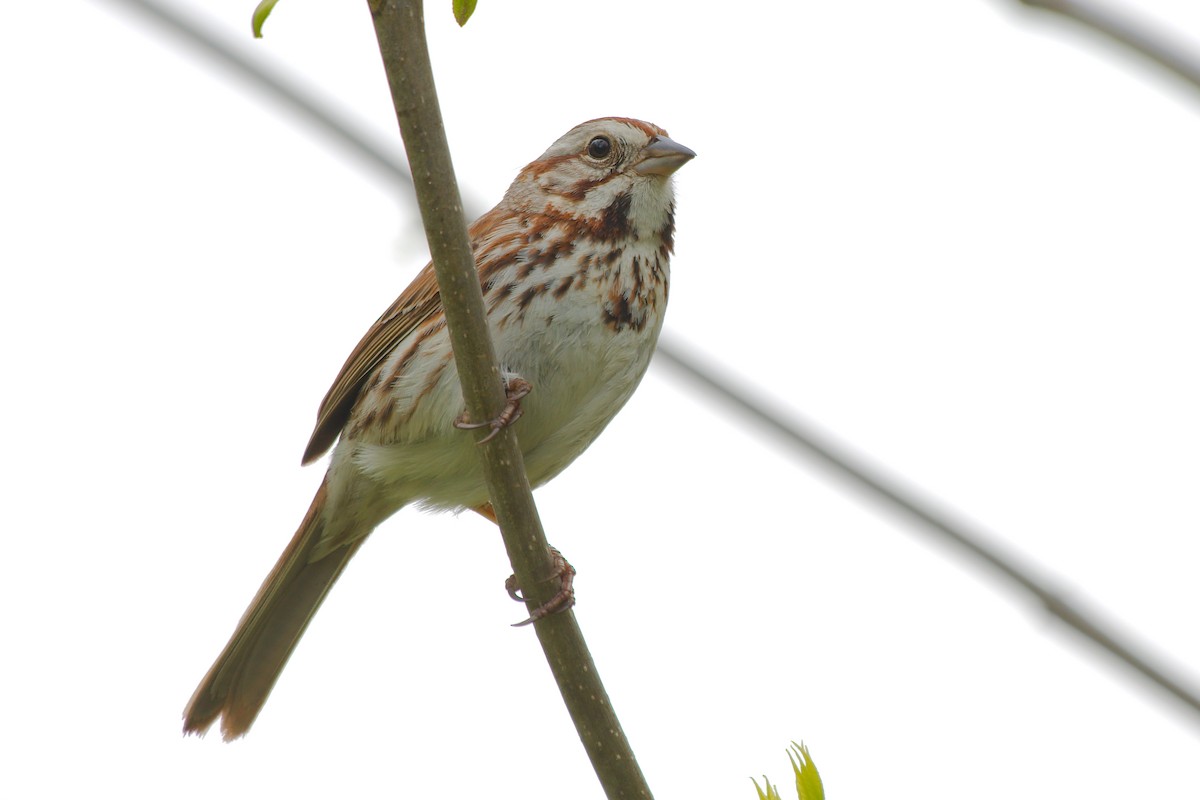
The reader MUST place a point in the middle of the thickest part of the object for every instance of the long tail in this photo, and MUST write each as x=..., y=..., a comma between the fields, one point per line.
x=238, y=683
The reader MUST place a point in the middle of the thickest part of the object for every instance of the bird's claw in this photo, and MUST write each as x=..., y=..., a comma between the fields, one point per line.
x=514, y=389
x=560, y=602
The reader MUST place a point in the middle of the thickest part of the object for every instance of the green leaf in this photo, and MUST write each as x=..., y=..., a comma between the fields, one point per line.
x=808, y=780
x=261, y=12
x=770, y=794
x=463, y=9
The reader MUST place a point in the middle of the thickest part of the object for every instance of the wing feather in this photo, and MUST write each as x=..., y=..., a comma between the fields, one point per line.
x=420, y=304
x=416, y=306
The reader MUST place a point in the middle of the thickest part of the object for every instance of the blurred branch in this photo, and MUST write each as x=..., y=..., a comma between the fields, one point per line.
x=804, y=438
x=292, y=94
x=1154, y=44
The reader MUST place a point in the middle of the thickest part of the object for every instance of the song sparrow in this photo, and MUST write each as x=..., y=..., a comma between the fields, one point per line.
x=573, y=266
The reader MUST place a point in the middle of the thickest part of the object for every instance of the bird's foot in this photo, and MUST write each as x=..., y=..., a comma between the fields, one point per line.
x=560, y=602
x=515, y=388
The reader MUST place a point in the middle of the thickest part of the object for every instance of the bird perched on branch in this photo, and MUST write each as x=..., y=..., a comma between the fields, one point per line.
x=573, y=264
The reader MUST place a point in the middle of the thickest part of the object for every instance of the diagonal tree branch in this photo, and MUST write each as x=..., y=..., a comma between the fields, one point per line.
x=400, y=28
x=291, y=93
x=1134, y=34
x=959, y=533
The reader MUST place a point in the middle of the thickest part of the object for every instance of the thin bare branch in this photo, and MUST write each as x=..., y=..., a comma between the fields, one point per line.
x=292, y=94
x=1155, y=44
x=804, y=437
x=400, y=28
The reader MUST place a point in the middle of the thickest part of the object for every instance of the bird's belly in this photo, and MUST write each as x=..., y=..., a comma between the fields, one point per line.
x=581, y=373
x=577, y=392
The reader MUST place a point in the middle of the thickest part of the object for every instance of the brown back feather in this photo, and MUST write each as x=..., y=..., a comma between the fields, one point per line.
x=415, y=306
x=419, y=304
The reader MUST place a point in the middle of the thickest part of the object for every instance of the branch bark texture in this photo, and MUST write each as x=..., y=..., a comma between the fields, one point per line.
x=400, y=29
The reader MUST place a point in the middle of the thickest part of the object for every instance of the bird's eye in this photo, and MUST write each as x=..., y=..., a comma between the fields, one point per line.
x=599, y=148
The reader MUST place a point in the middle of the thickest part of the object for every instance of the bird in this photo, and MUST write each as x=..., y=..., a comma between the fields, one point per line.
x=574, y=266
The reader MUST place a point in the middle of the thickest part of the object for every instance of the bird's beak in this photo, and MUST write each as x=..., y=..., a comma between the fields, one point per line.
x=662, y=157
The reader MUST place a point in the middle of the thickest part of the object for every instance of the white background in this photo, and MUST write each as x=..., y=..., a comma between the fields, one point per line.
x=961, y=236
